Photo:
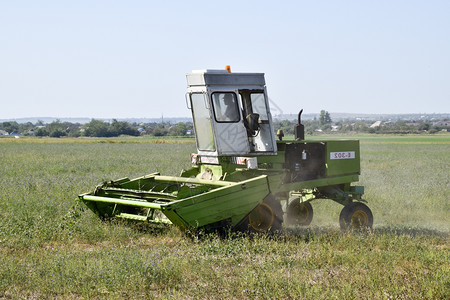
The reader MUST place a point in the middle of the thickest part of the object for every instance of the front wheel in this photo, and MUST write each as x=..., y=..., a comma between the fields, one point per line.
x=261, y=218
x=266, y=217
x=356, y=216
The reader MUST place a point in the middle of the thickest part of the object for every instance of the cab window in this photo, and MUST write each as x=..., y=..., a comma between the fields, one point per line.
x=226, y=109
x=202, y=123
x=259, y=105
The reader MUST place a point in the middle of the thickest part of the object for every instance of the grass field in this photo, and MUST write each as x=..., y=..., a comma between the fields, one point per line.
x=49, y=249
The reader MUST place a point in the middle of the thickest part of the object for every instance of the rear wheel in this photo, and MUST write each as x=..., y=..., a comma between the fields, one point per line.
x=299, y=213
x=356, y=216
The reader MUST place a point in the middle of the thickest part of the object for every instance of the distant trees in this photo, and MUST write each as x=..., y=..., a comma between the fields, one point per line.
x=179, y=129
x=56, y=129
x=288, y=126
x=324, y=123
x=122, y=128
x=96, y=128
x=42, y=131
x=99, y=128
x=325, y=120
x=164, y=129
x=10, y=126
x=115, y=128
x=160, y=130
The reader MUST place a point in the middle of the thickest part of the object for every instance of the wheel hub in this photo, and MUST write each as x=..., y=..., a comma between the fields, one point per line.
x=359, y=219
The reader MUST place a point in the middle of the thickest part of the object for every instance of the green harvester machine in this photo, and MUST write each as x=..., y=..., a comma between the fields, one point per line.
x=242, y=178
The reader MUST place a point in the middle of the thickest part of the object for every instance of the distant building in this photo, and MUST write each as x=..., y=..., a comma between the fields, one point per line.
x=2, y=132
x=376, y=124
x=441, y=123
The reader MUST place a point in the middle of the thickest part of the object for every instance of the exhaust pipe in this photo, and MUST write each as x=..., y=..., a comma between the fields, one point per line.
x=299, y=129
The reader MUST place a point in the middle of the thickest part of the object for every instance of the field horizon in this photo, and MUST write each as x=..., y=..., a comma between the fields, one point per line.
x=336, y=116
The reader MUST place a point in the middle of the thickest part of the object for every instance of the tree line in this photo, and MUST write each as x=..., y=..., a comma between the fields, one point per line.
x=96, y=128
x=398, y=127
x=99, y=128
x=325, y=124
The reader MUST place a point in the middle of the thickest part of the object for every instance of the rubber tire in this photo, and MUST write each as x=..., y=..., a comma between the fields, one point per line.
x=356, y=216
x=278, y=212
x=300, y=213
x=273, y=208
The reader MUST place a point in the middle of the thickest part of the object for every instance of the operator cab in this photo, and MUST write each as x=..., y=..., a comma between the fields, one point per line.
x=231, y=113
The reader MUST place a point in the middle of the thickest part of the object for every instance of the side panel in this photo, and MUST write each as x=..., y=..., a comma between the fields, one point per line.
x=231, y=202
x=231, y=139
x=342, y=157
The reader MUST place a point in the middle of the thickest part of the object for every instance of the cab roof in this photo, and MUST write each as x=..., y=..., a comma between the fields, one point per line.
x=224, y=78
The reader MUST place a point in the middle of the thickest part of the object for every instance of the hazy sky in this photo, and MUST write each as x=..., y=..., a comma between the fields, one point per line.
x=125, y=59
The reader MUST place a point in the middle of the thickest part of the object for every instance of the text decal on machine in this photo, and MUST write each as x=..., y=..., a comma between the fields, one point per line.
x=342, y=155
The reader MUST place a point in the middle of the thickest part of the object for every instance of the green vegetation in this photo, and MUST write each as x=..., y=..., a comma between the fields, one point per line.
x=324, y=124
x=325, y=119
x=52, y=248
x=95, y=128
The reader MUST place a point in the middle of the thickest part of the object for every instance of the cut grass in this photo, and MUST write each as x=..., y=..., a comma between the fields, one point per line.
x=323, y=264
x=49, y=249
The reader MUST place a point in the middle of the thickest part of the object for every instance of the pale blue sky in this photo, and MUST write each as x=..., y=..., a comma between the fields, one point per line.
x=125, y=59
